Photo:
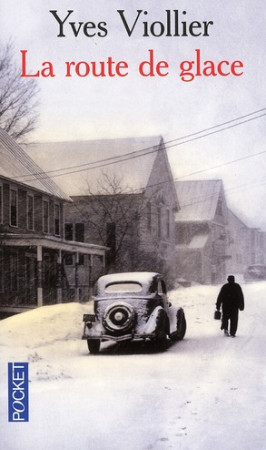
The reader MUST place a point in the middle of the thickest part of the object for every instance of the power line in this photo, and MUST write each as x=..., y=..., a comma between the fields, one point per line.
x=145, y=151
x=217, y=131
x=209, y=168
x=218, y=166
x=220, y=125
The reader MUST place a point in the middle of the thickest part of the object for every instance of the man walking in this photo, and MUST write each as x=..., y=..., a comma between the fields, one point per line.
x=231, y=299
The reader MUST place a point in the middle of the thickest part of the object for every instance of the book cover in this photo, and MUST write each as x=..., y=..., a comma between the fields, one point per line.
x=131, y=140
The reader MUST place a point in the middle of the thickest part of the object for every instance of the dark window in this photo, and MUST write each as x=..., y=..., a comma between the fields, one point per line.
x=79, y=232
x=159, y=221
x=69, y=231
x=13, y=272
x=168, y=223
x=219, y=209
x=111, y=241
x=45, y=216
x=161, y=287
x=30, y=212
x=13, y=208
x=1, y=271
x=81, y=259
x=183, y=235
x=149, y=216
x=1, y=203
x=57, y=220
x=68, y=259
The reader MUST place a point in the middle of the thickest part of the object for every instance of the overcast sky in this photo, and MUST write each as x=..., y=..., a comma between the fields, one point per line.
x=105, y=107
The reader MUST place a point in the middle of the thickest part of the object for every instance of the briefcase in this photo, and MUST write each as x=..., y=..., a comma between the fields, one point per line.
x=217, y=314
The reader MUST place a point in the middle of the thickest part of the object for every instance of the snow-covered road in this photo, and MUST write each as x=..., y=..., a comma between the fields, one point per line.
x=205, y=392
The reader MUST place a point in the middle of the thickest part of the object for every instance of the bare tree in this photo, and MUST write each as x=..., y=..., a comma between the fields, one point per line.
x=18, y=97
x=113, y=216
x=116, y=217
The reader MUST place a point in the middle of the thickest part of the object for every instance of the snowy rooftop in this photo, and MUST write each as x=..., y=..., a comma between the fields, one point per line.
x=20, y=167
x=198, y=199
x=197, y=242
x=77, y=166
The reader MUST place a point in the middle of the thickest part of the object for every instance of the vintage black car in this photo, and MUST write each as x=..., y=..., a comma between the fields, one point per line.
x=133, y=306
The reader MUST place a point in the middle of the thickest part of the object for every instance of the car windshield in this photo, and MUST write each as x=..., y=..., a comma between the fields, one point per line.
x=123, y=287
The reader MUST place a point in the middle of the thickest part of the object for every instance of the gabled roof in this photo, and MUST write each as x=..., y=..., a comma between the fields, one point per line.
x=233, y=217
x=16, y=165
x=78, y=166
x=198, y=200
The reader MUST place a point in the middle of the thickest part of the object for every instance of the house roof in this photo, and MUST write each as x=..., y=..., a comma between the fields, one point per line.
x=198, y=242
x=17, y=165
x=198, y=200
x=233, y=217
x=78, y=167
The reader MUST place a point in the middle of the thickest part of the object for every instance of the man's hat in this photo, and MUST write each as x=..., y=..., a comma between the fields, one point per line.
x=231, y=278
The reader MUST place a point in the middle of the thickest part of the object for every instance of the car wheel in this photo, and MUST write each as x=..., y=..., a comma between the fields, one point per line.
x=94, y=346
x=181, y=325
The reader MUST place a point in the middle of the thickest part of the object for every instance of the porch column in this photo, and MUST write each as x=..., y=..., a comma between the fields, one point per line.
x=39, y=276
x=90, y=275
x=59, y=277
x=76, y=277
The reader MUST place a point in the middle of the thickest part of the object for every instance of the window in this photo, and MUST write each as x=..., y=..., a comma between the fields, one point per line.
x=13, y=272
x=184, y=235
x=159, y=221
x=123, y=287
x=57, y=220
x=1, y=203
x=81, y=259
x=45, y=206
x=161, y=287
x=168, y=223
x=69, y=259
x=30, y=212
x=79, y=232
x=1, y=271
x=219, y=209
x=149, y=216
x=13, y=208
x=111, y=241
x=69, y=231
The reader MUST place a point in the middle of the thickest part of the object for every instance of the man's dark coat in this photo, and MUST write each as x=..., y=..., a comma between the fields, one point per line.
x=231, y=299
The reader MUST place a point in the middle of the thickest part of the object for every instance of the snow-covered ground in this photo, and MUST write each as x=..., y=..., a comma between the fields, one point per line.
x=206, y=392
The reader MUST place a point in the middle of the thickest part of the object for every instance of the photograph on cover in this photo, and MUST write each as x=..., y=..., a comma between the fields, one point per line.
x=132, y=225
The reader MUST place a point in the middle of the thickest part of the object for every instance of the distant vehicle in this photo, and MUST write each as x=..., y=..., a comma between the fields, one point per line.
x=255, y=272
x=132, y=306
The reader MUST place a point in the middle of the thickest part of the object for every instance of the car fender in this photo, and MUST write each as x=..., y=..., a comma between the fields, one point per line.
x=172, y=318
x=149, y=327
